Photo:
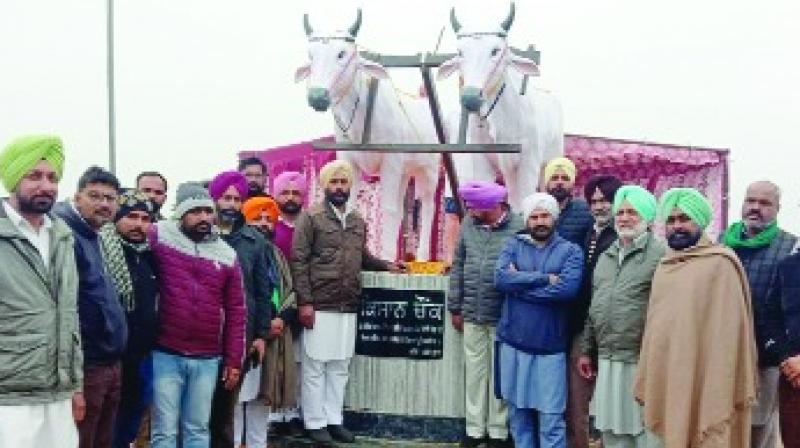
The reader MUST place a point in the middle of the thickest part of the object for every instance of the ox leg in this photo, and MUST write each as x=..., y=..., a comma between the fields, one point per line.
x=425, y=186
x=393, y=189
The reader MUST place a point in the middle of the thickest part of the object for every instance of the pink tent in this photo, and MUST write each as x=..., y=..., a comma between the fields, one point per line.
x=653, y=165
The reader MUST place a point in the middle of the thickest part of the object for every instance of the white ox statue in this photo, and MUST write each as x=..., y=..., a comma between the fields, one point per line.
x=492, y=81
x=338, y=78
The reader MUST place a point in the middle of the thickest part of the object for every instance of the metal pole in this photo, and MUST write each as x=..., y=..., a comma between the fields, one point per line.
x=112, y=132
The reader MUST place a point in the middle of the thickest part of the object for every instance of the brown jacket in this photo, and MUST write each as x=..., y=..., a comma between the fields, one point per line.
x=697, y=370
x=327, y=259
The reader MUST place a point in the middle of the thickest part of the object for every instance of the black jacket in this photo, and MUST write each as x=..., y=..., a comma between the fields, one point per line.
x=761, y=265
x=104, y=331
x=780, y=326
x=575, y=222
x=593, y=246
x=143, y=319
x=251, y=249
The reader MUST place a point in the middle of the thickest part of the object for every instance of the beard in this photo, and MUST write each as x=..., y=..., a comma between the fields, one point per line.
x=135, y=236
x=230, y=217
x=631, y=232
x=602, y=219
x=290, y=207
x=197, y=232
x=254, y=189
x=38, y=204
x=541, y=233
x=560, y=193
x=266, y=231
x=337, y=198
x=683, y=240
x=754, y=222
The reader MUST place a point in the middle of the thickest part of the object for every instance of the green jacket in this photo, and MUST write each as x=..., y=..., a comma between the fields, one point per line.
x=620, y=294
x=40, y=353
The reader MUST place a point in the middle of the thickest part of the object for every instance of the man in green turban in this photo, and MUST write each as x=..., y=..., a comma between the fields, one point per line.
x=613, y=332
x=691, y=213
x=761, y=245
x=41, y=365
x=698, y=337
x=22, y=154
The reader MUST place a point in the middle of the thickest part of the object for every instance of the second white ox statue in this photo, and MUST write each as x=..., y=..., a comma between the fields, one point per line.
x=492, y=81
x=338, y=79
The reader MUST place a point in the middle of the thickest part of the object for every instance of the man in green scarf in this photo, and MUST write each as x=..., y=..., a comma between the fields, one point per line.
x=761, y=245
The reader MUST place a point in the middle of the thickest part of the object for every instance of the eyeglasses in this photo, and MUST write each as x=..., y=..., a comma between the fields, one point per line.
x=98, y=197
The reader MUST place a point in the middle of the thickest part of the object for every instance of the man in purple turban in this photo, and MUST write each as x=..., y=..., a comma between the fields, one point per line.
x=229, y=189
x=475, y=304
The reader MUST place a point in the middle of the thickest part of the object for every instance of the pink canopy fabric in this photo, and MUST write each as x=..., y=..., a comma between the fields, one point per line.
x=655, y=166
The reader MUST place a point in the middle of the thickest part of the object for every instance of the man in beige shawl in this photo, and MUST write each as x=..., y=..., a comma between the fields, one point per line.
x=697, y=371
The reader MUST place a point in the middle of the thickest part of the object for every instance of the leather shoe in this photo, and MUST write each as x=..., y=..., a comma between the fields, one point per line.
x=470, y=442
x=320, y=435
x=341, y=434
x=498, y=443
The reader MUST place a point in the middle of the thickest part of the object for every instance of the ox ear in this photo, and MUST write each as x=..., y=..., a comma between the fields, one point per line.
x=525, y=66
x=448, y=67
x=302, y=73
x=373, y=69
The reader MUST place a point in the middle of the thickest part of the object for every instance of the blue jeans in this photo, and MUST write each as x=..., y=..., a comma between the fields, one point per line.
x=533, y=429
x=183, y=389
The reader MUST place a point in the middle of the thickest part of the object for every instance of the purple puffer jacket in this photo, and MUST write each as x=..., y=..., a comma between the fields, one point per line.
x=201, y=311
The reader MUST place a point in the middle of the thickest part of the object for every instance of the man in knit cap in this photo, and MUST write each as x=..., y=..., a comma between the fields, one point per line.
x=539, y=272
x=575, y=220
x=599, y=193
x=201, y=319
x=615, y=323
x=290, y=190
x=761, y=245
x=474, y=304
x=131, y=264
x=328, y=253
x=104, y=330
x=41, y=363
x=697, y=373
x=228, y=190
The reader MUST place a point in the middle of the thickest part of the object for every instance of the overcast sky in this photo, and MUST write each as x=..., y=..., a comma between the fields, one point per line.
x=199, y=80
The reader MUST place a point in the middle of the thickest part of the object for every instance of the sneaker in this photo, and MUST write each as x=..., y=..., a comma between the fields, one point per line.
x=320, y=435
x=341, y=434
x=470, y=442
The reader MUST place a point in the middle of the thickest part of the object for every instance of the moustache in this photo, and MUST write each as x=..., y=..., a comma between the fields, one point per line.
x=755, y=213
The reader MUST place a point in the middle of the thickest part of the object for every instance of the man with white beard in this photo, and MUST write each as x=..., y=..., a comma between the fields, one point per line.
x=615, y=324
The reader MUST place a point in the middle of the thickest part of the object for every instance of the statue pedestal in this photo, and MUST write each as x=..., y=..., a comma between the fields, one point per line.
x=401, y=397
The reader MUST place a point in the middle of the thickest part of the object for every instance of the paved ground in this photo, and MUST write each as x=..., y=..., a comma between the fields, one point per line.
x=361, y=442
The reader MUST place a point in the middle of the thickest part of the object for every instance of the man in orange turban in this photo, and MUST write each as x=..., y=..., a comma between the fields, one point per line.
x=262, y=213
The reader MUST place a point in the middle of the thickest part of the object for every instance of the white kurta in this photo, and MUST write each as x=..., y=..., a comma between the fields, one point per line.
x=333, y=337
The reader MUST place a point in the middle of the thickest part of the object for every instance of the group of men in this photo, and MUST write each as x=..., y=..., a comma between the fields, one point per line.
x=572, y=308
x=119, y=325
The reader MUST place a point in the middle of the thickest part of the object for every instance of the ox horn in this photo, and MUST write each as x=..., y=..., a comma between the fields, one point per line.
x=510, y=19
x=353, y=30
x=454, y=20
x=307, y=25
